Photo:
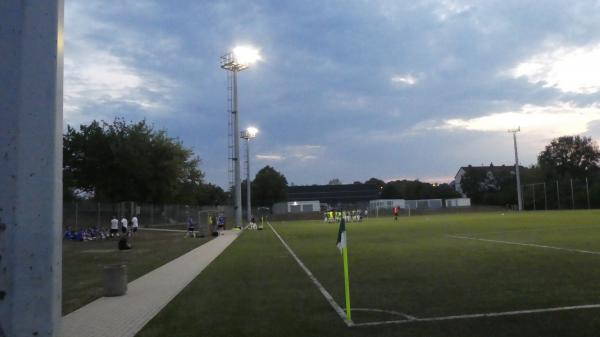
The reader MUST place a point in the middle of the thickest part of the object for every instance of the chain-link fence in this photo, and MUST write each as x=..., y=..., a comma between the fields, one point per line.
x=85, y=213
x=562, y=194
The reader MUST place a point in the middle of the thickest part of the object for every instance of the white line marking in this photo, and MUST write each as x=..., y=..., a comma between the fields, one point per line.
x=391, y=312
x=491, y=314
x=536, y=229
x=323, y=291
x=526, y=244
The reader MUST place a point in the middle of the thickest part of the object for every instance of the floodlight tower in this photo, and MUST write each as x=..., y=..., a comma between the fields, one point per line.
x=249, y=133
x=519, y=196
x=239, y=59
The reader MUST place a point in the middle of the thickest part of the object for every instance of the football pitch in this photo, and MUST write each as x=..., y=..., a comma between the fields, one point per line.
x=483, y=274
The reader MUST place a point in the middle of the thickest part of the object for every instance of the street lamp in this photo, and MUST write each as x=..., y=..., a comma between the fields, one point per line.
x=519, y=197
x=239, y=59
x=248, y=134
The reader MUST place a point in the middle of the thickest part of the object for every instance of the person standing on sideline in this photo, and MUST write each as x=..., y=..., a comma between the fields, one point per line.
x=124, y=225
x=395, y=213
x=134, y=224
x=114, y=227
x=191, y=228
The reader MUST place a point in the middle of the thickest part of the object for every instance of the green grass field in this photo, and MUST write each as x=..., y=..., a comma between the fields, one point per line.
x=433, y=268
x=83, y=262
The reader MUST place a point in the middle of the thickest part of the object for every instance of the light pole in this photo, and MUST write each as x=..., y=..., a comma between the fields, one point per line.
x=248, y=134
x=239, y=59
x=519, y=197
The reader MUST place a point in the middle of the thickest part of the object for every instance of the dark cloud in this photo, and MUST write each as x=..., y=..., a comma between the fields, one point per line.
x=327, y=77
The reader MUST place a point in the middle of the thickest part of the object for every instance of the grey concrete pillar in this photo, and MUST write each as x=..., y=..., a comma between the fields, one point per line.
x=31, y=74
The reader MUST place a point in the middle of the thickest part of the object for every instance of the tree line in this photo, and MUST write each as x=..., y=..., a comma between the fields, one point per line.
x=120, y=161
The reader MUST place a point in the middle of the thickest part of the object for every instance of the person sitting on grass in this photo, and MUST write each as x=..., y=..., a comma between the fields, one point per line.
x=252, y=224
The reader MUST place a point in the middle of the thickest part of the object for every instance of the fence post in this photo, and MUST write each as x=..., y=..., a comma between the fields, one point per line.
x=533, y=196
x=76, y=215
x=587, y=192
x=545, y=199
x=557, y=194
x=572, y=195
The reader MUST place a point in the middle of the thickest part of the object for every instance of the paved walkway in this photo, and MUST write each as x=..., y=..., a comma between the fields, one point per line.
x=124, y=316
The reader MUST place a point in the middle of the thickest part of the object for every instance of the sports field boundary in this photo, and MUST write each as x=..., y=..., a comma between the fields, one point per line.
x=336, y=307
x=482, y=315
x=412, y=319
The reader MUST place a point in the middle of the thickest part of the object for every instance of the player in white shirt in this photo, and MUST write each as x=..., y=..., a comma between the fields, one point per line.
x=114, y=227
x=124, y=225
x=134, y=224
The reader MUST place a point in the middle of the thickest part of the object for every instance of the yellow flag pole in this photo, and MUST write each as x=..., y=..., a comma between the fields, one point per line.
x=347, y=283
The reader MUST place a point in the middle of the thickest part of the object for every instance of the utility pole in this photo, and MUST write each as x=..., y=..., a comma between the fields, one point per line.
x=31, y=102
x=519, y=196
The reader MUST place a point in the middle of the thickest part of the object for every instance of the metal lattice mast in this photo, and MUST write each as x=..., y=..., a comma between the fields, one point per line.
x=230, y=133
x=234, y=62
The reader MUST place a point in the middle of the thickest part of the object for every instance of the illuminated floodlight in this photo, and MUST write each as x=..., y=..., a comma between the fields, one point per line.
x=246, y=55
x=252, y=131
x=240, y=58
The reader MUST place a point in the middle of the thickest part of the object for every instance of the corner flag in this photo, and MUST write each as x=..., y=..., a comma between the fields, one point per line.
x=342, y=244
x=341, y=238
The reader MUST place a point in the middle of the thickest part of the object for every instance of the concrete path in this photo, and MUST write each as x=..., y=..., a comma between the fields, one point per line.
x=124, y=316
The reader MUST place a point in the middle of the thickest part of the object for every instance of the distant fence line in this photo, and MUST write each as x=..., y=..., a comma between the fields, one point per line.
x=561, y=194
x=86, y=213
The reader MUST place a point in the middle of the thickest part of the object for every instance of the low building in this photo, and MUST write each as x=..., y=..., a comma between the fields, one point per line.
x=386, y=204
x=296, y=207
x=457, y=202
x=421, y=204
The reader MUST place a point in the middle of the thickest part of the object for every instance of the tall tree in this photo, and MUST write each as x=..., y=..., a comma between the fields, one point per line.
x=407, y=189
x=268, y=187
x=377, y=182
x=130, y=161
x=569, y=156
x=334, y=181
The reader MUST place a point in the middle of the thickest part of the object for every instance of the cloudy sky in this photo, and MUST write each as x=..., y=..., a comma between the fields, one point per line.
x=347, y=89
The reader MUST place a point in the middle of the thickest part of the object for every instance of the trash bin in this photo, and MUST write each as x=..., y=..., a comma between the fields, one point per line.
x=115, y=280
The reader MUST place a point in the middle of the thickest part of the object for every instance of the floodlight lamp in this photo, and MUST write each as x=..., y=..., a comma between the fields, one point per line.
x=240, y=58
x=245, y=55
x=252, y=131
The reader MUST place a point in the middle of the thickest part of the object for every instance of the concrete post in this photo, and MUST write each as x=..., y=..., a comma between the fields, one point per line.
x=31, y=91
x=519, y=196
x=248, y=183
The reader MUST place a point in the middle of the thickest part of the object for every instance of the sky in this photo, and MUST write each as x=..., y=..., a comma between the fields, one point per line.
x=348, y=89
